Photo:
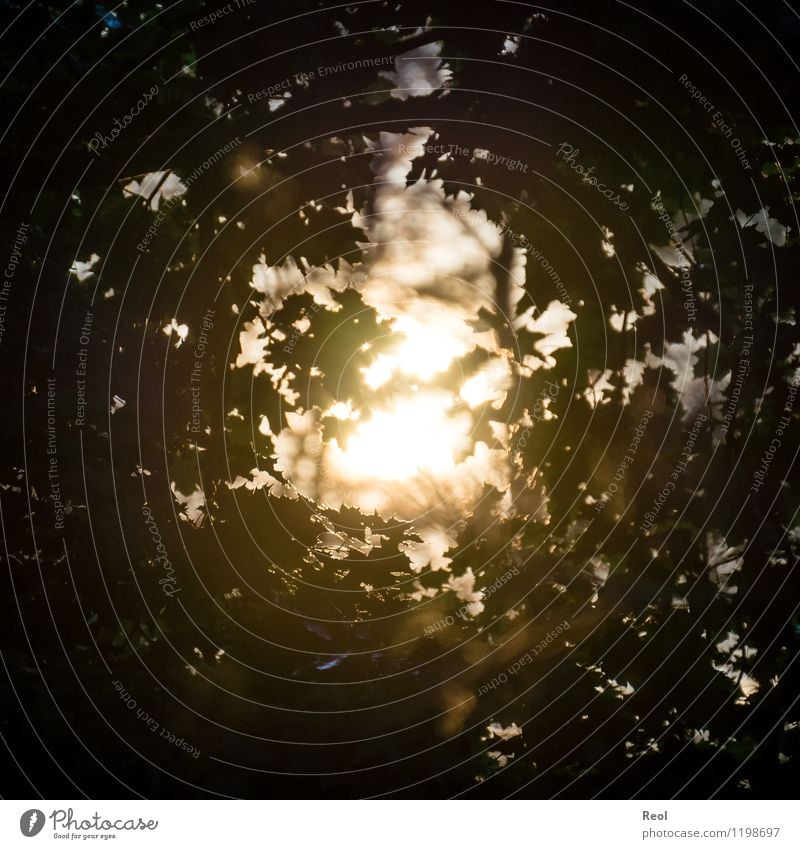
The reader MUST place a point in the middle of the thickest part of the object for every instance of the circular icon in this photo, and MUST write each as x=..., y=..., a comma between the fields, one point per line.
x=31, y=822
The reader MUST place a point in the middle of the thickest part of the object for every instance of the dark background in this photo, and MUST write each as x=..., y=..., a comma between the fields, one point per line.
x=82, y=608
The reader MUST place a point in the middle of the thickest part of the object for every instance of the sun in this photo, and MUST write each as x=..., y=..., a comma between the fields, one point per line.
x=423, y=433
x=421, y=351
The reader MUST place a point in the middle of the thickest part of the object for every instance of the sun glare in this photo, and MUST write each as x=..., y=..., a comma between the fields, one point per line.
x=427, y=431
x=418, y=434
x=423, y=352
